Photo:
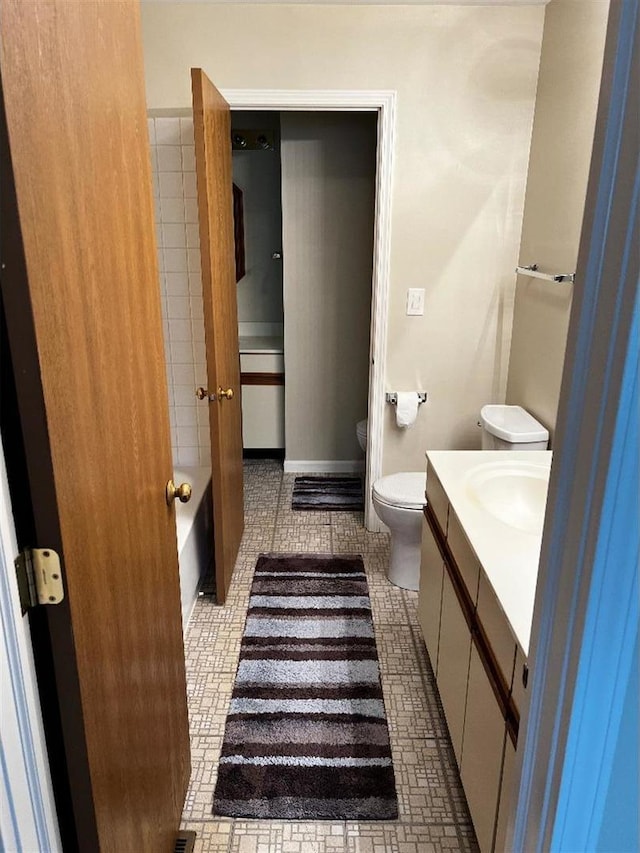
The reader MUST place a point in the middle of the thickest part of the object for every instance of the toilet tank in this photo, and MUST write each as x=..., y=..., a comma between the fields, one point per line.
x=511, y=428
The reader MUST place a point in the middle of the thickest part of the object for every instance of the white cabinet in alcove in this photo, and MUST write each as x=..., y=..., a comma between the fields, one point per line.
x=262, y=377
x=262, y=416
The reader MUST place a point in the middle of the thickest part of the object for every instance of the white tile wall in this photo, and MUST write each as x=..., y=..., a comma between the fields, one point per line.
x=174, y=183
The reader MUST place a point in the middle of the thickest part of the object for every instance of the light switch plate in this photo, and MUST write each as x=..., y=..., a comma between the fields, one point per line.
x=415, y=301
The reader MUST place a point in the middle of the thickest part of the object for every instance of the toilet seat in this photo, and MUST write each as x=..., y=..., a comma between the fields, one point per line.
x=405, y=490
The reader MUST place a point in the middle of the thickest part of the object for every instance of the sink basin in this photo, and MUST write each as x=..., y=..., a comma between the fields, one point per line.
x=513, y=492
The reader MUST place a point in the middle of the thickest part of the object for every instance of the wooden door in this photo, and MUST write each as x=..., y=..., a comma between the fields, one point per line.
x=212, y=128
x=81, y=295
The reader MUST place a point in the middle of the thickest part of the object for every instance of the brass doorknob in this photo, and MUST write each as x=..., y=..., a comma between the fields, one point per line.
x=202, y=393
x=228, y=394
x=181, y=492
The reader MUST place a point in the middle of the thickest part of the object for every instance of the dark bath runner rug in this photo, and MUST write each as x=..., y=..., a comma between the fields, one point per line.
x=327, y=493
x=306, y=735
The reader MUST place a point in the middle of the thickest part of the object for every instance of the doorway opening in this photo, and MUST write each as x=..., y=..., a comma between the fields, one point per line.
x=382, y=104
x=304, y=190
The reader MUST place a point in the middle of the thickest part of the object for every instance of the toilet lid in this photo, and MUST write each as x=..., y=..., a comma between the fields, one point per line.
x=405, y=490
x=513, y=424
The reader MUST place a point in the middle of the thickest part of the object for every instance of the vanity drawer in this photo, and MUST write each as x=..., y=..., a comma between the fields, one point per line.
x=496, y=628
x=464, y=556
x=269, y=362
x=438, y=499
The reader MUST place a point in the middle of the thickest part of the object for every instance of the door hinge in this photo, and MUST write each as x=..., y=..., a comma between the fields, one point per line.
x=39, y=577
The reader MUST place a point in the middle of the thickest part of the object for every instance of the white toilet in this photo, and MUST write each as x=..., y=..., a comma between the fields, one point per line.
x=398, y=500
x=511, y=428
x=361, y=434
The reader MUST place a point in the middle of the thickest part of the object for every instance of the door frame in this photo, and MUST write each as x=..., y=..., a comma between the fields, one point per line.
x=585, y=618
x=382, y=102
x=28, y=819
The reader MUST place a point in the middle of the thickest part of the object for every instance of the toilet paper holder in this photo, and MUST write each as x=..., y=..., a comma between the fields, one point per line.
x=392, y=397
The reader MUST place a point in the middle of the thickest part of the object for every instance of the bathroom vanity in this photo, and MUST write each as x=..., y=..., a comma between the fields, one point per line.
x=481, y=540
x=262, y=380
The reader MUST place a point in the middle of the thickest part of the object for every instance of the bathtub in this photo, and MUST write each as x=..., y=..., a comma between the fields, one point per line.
x=194, y=526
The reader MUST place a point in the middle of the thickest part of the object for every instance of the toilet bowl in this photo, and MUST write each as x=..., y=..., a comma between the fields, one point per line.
x=361, y=433
x=398, y=500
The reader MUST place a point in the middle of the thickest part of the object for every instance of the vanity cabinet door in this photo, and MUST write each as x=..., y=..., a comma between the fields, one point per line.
x=508, y=794
x=453, y=663
x=482, y=751
x=262, y=377
x=430, y=594
x=262, y=416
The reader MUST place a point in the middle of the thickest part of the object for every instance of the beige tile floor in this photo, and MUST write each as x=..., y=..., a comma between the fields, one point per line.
x=433, y=811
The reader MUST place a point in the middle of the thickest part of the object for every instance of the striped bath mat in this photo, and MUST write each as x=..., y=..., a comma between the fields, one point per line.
x=306, y=734
x=327, y=493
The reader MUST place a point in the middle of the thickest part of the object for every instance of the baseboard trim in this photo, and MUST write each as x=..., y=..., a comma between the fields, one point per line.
x=323, y=466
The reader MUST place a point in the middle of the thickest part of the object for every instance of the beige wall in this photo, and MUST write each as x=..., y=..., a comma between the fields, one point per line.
x=328, y=195
x=465, y=78
x=565, y=114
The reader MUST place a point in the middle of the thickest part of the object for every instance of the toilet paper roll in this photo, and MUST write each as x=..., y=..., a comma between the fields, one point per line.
x=407, y=408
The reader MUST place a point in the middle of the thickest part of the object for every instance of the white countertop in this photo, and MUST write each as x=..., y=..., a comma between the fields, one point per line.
x=260, y=344
x=509, y=557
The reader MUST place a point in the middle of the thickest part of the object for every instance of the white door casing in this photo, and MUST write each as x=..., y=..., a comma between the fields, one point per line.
x=27, y=812
x=383, y=102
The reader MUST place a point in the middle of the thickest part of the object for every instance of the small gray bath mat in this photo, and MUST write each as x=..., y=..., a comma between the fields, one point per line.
x=306, y=736
x=327, y=493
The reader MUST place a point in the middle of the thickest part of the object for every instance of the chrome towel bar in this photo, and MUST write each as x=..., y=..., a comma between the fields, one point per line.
x=534, y=272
